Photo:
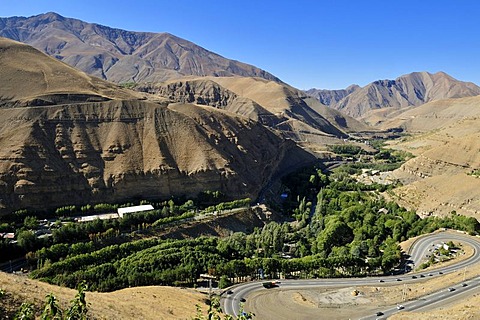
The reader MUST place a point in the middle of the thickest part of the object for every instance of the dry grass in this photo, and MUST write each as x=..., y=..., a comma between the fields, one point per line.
x=154, y=302
x=26, y=73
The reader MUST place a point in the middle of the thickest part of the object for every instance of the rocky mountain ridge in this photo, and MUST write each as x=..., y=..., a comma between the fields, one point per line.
x=375, y=101
x=118, y=55
x=275, y=105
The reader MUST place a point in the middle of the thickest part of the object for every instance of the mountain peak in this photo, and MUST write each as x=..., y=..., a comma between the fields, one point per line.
x=119, y=55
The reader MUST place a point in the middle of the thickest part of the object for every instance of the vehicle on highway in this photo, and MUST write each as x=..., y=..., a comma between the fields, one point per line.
x=464, y=284
x=398, y=279
x=400, y=307
x=430, y=274
x=379, y=313
x=422, y=276
x=269, y=284
x=414, y=277
x=229, y=292
x=451, y=289
x=440, y=272
x=242, y=300
x=381, y=280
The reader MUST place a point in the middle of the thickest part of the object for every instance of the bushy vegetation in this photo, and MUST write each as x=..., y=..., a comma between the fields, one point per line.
x=346, y=149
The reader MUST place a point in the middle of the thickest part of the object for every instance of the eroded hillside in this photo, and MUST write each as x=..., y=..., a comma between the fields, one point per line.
x=68, y=138
x=117, y=150
x=275, y=105
x=443, y=177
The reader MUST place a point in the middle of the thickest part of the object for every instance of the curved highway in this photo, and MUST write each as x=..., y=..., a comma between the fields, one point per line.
x=419, y=251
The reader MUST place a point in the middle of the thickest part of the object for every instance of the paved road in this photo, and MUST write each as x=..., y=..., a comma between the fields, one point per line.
x=419, y=250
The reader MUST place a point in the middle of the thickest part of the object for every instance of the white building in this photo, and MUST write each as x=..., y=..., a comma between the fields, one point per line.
x=134, y=209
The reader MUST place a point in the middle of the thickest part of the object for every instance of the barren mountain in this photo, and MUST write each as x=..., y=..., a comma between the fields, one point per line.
x=444, y=175
x=109, y=151
x=119, y=55
x=378, y=99
x=331, y=97
x=29, y=77
x=434, y=115
x=276, y=105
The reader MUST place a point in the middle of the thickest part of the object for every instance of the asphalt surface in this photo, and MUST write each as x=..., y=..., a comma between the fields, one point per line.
x=418, y=252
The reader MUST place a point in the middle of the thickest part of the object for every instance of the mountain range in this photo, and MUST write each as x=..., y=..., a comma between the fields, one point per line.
x=196, y=121
x=376, y=100
x=118, y=55
x=150, y=58
x=276, y=105
x=68, y=136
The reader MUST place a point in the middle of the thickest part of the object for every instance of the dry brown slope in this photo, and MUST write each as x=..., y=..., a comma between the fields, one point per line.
x=112, y=151
x=439, y=179
x=435, y=115
x=275, y=105
x=27, y=76
x=155, y=302
x=282, y=98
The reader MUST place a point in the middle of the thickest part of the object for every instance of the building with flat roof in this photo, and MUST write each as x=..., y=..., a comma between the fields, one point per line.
x=134, y=209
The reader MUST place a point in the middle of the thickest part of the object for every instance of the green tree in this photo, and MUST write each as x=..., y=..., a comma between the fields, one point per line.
x=224, y=282
x=215, y=312
x=51, y=311
x=30, y=222
x=78, y=309
x=27, y=240
x=26, y=312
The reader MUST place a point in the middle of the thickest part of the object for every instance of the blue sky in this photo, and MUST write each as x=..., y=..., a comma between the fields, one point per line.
x=323, y=44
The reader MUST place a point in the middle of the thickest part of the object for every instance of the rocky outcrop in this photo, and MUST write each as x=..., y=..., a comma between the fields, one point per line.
x=204, y=92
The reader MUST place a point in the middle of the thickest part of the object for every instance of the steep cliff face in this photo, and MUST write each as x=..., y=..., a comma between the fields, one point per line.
x=118, y=150
x=205, y=91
